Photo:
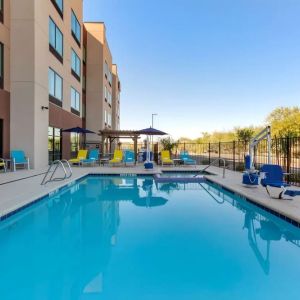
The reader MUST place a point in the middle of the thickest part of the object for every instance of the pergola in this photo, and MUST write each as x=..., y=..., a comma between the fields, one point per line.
x=111, y=135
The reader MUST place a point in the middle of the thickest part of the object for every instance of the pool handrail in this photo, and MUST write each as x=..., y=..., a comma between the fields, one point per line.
x=213, y=162
x=58, y=163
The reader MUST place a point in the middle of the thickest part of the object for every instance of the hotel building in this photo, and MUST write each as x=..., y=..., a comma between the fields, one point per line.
x=55, y=73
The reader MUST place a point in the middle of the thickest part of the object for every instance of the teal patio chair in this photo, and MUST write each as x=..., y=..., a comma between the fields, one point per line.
x=93, y=157
x=18, y=158
x=187, y=160
x=129, y=157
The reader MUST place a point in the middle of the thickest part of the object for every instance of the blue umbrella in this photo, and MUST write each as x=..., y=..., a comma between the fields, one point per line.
x=150, y=131
x=78, y=130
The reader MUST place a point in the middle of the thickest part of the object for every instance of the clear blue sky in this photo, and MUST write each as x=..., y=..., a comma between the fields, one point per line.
x=202, y=65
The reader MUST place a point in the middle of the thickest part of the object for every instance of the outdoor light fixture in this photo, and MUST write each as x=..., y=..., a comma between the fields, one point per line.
x=45, y=107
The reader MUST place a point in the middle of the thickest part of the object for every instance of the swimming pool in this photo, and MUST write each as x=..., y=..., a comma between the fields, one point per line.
x=131, y=238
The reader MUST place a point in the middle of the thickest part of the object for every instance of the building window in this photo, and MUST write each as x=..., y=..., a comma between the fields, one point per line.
x=75, y=141
x=84, y=55
x=75, y=102
x=54, y=144
x=1, y=65
x=55, y=88
x=105, y=117
x=1, y=11
x=75, y=65
x=59, y=5
x=105, y=69
x=76, y=28
x=56, y=44
x=109, y=119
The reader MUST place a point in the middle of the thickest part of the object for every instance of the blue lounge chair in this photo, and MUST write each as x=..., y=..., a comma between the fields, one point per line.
x=273, y=176
x=187, y=160
x=93, y=157
x=18, y=158
x=129, y=157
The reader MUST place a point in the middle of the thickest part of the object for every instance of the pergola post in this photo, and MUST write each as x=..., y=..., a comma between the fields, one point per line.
x=135, y=148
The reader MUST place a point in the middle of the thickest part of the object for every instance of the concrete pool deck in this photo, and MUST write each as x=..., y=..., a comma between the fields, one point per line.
x=20, y=188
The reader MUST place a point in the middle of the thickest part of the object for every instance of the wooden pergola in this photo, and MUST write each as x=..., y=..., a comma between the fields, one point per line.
x=111, y=135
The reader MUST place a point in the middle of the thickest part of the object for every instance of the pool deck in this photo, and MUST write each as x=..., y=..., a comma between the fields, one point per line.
x=20, y=188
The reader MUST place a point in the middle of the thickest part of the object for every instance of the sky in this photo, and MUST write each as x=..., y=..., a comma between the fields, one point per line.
x=202, y=65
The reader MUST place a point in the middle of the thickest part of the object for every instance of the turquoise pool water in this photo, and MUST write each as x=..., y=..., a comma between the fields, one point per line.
x=128, y=238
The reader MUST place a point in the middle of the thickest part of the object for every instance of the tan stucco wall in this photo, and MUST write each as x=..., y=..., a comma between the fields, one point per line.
x=5, y=39
x=29, y=72
x=97, y=53
x=116, y=98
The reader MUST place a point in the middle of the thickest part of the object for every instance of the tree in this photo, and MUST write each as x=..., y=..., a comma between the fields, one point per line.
x=168, y=143
x=244, y=134
x=285, y=122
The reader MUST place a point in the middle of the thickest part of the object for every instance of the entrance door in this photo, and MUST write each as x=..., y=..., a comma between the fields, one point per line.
x=1, y=138
x=54, y=144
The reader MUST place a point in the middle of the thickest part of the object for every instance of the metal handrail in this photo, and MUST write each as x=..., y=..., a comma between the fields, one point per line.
x=57, y=163
x=213, y=162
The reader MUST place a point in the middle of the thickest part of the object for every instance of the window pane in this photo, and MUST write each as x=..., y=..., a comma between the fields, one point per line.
x=76, y=28
x=60, y=4
x=51, y=33
x=59, y=42
x=51, y=83
x=58, y=87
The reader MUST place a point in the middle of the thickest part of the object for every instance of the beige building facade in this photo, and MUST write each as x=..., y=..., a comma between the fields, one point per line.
x=100, y=80
x=47, y=84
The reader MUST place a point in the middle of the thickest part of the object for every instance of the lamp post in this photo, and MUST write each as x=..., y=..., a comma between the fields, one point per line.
x=153, y=115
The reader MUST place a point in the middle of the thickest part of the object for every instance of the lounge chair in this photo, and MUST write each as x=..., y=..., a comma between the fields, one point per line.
x=129, y=157
x=273, y=176
x=3, y=164
x=118, y=157
x=82, y=154
x=93, y=157
x=187, y=160
x=18, y=158
x=165, y=158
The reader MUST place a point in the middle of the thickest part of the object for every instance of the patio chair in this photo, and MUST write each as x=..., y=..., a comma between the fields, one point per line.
x=3, y=164
x=118, y=157
x=273, y=176
x=93, y=157
x=165, y=158
x=129, y=157
x=18, y=158
x=82, y=154
x=187, y=160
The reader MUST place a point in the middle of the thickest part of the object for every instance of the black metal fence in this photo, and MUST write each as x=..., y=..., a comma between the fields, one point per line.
x=284, y=152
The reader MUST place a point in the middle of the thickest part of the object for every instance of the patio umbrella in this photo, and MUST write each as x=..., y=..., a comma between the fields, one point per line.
x=78, y=130
x=150, y=132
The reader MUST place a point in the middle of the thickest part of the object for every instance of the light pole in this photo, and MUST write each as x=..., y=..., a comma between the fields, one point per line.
x=152, y=135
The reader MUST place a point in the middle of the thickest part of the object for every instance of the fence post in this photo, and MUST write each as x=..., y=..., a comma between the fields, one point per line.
x=233, y=149
x=219, y=153
x=209, y=153
x=288, y=156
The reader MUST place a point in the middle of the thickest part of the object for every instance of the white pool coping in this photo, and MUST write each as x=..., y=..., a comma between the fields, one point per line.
x=17, y=190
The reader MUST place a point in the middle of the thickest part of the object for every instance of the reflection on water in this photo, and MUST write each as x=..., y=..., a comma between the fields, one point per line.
x=63, y=247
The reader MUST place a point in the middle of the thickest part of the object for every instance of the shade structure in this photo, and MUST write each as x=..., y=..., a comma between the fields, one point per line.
x=150, y=201
x=78, y=130
x=151, y=131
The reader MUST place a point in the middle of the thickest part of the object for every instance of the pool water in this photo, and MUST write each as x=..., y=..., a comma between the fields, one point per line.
x=130, y=238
